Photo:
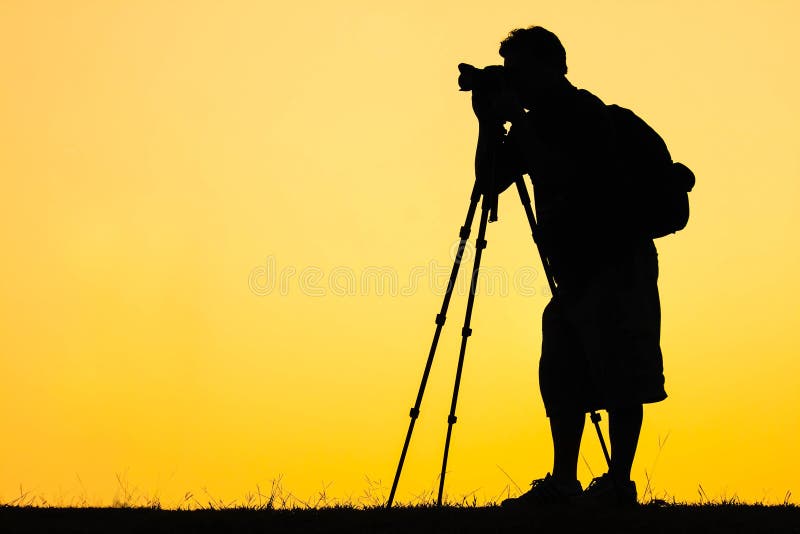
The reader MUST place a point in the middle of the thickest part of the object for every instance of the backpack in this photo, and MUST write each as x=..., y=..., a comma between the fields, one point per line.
x=655, y=188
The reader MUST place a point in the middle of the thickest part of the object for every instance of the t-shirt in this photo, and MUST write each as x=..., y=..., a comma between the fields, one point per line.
x=572, y=165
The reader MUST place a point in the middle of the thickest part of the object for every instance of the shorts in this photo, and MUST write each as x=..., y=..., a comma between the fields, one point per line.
x=601, y=347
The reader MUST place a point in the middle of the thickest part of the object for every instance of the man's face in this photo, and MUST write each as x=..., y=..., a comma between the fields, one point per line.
x=528, y=78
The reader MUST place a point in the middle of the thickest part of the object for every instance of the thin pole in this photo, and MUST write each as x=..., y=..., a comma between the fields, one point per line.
x=441, y=317
x=466, y=331
x=525, y=198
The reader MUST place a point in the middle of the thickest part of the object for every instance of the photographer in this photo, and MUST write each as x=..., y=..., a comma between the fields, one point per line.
x=600, y=334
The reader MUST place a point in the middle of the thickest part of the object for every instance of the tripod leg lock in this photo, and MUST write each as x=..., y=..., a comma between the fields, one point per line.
x=440, y=319
x=414, y=413
x=451, y=419
x=595, y=417
x=480, y=244
x=466, y=331
x=464, y=232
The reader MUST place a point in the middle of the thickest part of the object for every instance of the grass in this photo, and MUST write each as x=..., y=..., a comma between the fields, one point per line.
x=274, y=509
x=704, y=519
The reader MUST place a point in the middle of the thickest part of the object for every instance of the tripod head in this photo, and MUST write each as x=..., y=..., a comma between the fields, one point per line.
x=491, y=135
x=491, y=197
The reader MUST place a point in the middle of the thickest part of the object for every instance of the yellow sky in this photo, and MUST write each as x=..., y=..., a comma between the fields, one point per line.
x=204, y=207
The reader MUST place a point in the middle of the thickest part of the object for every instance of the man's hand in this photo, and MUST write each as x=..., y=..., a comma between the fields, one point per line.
x=497, y=107
x=493, y=167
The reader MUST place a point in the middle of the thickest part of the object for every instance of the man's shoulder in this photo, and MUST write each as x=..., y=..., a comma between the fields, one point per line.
x=590, y=103
x=588, y=98
x=591, y=112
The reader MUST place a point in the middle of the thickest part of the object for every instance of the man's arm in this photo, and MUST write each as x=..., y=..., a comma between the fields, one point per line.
x=497, y=160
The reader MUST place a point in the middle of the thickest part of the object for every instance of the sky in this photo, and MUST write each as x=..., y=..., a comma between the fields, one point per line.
x=227, y=227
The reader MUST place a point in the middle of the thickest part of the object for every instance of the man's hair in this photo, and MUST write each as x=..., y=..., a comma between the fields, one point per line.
x=536, y=43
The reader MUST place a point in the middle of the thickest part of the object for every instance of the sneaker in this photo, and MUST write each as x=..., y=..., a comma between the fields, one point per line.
x=605, y=491
x=545, y=491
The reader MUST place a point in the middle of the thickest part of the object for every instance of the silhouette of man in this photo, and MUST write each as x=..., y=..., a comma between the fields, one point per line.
x=600, y=334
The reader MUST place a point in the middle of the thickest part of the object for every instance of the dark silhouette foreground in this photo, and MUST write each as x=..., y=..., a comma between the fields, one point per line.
x=644, y=519
x=604, y=186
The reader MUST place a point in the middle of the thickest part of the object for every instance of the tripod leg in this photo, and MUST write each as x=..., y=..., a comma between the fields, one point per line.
x=526, y=204
x=466, y=331
x=441, y=317
x=595, y=417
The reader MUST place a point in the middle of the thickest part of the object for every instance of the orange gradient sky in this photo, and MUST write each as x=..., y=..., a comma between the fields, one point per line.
x=225, y=229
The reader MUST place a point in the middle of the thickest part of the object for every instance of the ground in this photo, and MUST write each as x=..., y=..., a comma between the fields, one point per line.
x=651, y=519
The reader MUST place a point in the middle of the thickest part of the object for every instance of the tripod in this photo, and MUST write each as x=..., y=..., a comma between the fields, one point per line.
x=488, y=212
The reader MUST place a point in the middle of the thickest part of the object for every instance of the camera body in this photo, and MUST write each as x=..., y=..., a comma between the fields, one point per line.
x=491, y=79
x=493, y=97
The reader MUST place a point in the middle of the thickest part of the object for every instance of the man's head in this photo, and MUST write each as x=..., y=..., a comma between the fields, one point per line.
x=535, y=62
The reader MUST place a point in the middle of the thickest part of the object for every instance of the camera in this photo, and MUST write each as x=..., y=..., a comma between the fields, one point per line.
x=491, y=79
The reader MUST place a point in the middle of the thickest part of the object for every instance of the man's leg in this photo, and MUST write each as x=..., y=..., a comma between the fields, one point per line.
x=561, y=384
x=624, y=425
x=566, y=429
x=562, y=486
